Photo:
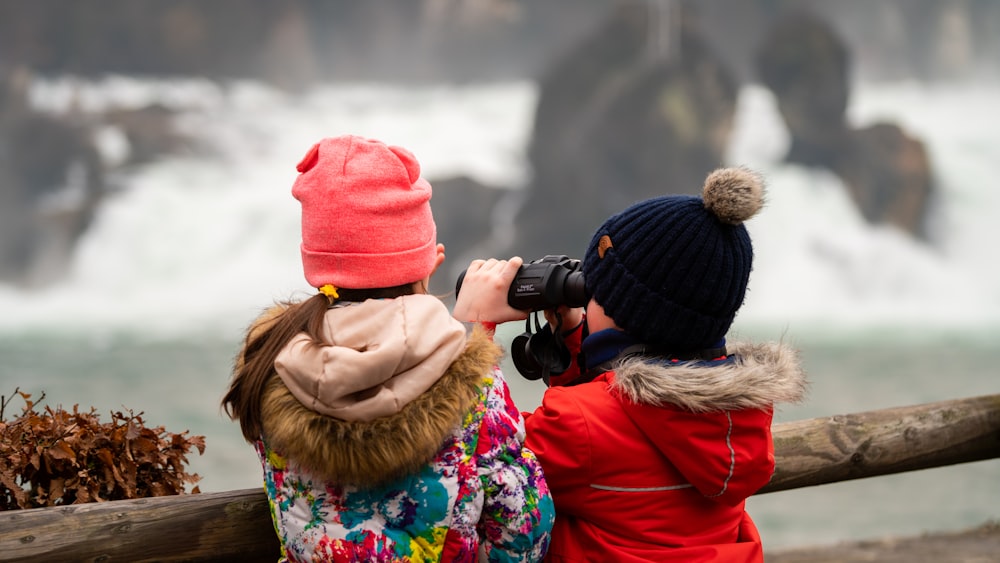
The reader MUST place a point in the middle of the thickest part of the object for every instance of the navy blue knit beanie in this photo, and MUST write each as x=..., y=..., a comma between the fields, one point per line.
x=672, y=271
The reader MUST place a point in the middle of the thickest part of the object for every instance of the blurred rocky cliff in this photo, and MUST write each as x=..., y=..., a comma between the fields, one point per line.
x=297, y=42
x=636, y=97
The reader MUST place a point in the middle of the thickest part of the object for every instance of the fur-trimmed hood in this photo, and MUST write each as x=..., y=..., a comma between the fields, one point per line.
x=758, y=376
x=369, y=453
x=376, y=356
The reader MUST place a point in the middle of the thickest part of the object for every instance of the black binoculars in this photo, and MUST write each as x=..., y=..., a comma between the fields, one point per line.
x=545, y=283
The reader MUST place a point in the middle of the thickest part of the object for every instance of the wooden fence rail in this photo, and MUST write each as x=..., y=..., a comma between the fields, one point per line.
x=852, y=446
x=236, y=525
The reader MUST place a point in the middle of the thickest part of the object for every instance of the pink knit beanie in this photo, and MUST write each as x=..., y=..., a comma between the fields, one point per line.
x=366, y=215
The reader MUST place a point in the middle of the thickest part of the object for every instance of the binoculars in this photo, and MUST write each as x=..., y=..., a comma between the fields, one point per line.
x=545, y=283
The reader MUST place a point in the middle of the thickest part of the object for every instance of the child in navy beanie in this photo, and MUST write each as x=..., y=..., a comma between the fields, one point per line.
x=656, y=434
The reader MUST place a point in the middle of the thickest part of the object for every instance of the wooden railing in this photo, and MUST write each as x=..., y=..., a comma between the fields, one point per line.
x=882, y=442
x=236, y=525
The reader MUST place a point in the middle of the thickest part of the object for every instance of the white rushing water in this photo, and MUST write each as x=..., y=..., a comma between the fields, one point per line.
x=204, y=240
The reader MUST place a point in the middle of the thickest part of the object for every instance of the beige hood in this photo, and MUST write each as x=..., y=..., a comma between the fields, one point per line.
x=381, y=355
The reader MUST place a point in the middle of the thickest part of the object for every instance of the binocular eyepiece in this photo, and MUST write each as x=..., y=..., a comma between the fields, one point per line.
x=545, y=283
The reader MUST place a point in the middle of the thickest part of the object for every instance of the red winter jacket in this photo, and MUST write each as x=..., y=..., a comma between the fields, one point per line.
x=653, y=462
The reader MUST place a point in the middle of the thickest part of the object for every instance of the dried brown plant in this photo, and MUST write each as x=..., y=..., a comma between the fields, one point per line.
x=55, y=457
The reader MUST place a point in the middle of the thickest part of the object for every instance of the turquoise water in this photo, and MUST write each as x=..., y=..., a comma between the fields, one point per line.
x=178, y=384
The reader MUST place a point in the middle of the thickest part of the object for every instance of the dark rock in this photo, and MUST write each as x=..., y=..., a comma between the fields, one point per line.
x=642, y=108
x=150, y=131
x=463, y=211
x=51, y=181
x=887, y=172
x=890, y=178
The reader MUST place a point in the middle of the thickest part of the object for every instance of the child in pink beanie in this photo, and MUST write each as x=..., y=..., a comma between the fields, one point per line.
x=384, y=427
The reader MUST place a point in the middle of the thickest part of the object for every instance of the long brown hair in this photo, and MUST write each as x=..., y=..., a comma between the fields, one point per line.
x=254, y=365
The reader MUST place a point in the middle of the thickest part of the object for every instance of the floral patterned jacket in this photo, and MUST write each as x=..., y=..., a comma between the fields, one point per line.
x=445, y=478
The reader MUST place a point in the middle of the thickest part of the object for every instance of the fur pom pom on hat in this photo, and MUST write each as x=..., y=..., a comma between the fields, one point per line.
x=366, y=215
x=673, y=270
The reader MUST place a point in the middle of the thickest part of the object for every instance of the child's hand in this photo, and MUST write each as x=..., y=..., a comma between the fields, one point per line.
x=483, y=296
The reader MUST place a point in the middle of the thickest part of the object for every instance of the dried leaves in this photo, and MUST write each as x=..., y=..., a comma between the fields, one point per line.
x=59, y=457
